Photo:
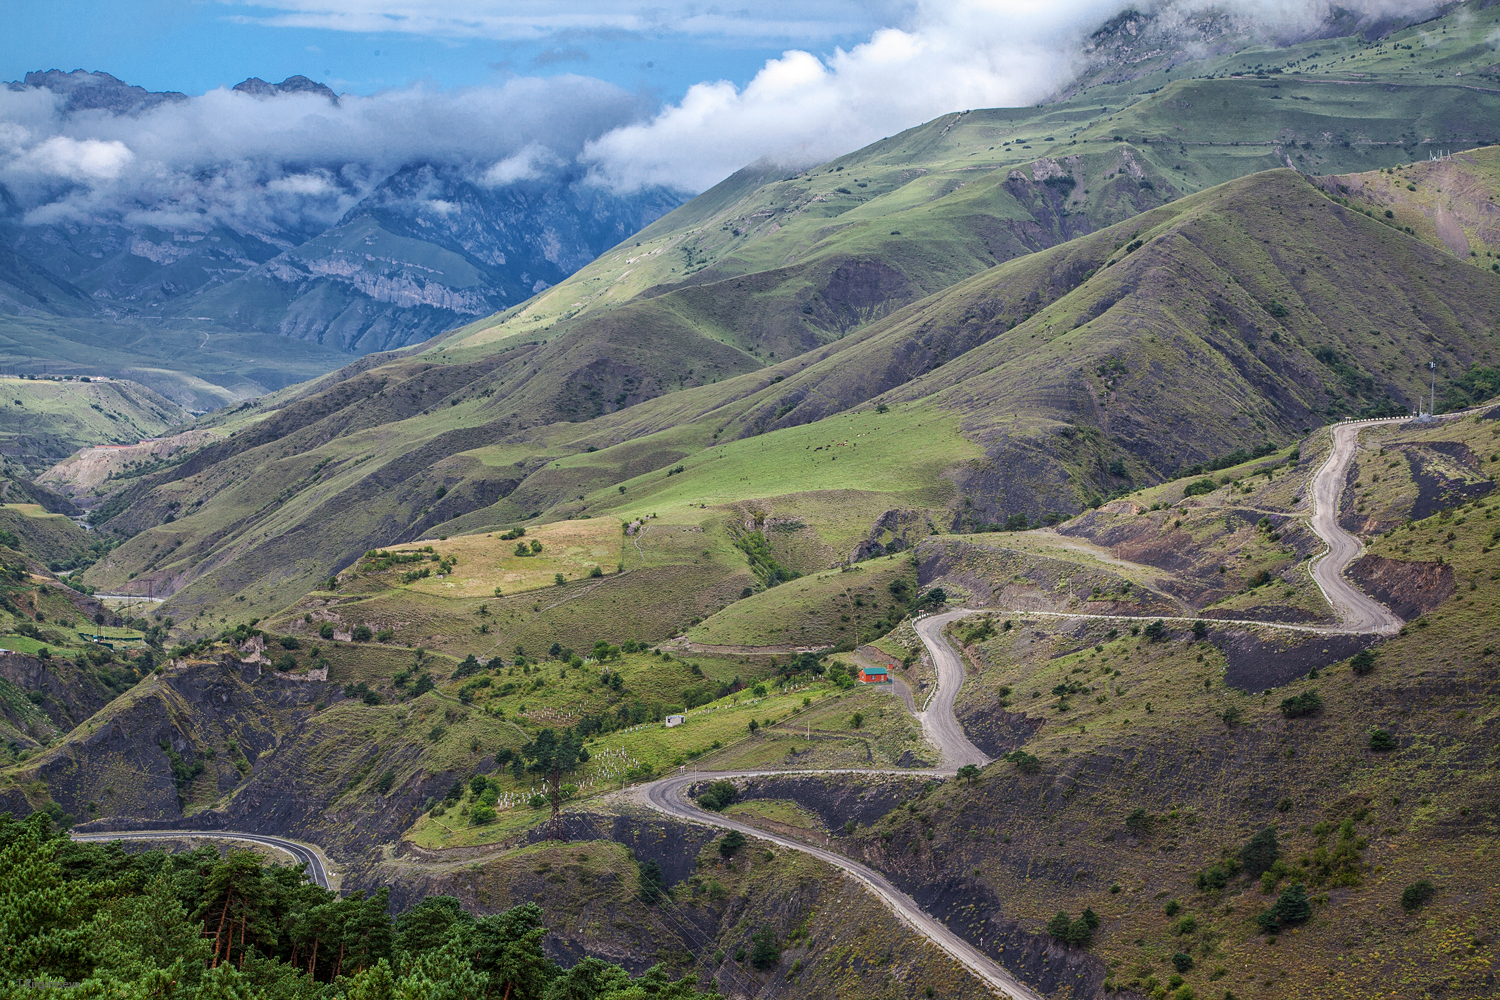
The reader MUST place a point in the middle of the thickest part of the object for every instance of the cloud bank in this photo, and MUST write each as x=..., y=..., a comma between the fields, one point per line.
x=293, y=162
x=951, y=55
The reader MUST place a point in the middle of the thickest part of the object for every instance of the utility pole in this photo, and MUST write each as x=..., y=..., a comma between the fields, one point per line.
x=1432, y=409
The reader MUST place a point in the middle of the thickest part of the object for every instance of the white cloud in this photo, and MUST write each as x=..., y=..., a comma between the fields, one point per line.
x=951, y=55
x=289, y=162
x=295, y=163
x=540, y=19
x=77, y=160
x=526, y=165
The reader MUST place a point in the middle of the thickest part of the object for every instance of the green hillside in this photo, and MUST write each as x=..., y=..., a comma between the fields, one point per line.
x=197, y=369
x=1241, y=315
x=833, y=247
x=43, y=421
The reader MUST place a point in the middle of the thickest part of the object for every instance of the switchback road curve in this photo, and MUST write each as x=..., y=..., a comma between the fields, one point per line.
x=667, y=797
x=316, y=872
x=1357, y=611
x=942, y=729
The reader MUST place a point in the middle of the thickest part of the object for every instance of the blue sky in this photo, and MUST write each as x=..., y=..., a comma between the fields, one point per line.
x=363, y=47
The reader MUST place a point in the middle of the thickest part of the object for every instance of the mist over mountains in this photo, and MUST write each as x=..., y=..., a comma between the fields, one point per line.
x=359, y=223
x=367, y=223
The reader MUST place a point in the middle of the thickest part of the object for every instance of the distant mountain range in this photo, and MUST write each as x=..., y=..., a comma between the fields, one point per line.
x=425, y=248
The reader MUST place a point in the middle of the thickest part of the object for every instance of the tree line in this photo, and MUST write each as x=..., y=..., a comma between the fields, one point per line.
x=90, y=920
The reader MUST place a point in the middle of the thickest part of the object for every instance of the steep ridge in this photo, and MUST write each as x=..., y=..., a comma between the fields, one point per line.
x=1229, y=318
x=773, y=302
x=839, y=245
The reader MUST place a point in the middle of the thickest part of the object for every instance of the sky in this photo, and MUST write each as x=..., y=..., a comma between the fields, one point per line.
x=362, y=46
x=678, y=94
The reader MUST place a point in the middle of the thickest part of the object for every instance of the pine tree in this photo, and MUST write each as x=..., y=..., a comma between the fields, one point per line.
x=508, y=948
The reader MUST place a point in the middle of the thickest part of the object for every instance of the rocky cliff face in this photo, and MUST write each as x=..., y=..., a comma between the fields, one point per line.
x=179, y=738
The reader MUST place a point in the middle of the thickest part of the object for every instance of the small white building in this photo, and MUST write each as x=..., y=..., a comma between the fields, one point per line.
x=675, y=720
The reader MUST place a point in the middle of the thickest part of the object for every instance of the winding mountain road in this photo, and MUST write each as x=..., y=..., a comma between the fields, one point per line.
x=316, y=872
x=1357, y=611
x=942, y=729
x=939, y=724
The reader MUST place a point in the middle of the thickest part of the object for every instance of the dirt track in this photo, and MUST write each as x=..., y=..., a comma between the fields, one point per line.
x=1357, y=611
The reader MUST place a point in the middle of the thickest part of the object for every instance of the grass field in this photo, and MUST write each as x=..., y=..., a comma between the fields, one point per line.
x=833, y=608
x=488, y=566
x=43, y=536
x=858, y=464
x=43, y=421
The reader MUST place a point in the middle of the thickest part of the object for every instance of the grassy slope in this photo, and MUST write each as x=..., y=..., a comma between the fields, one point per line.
x=43, y=536
x=44, y=422
x=198, y=370
x=471, y=414
x=1227, y=254
x=814, y=612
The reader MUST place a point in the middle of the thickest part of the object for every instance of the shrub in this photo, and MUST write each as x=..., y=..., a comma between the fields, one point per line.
x=1075, y=932
x=362, y=633
x=1172, y=908
x=1182, y=962
x=765, y=952
x=1156, y=631
x=481, y=814
x=536, y=801
x=1381, y=741
x=325, y=631
x=1200, y=630
x=1260, y=853
x=1140, y=822
x=1362, y=662
x=596, y=573
x=733, y=841
x=1199, y=487
x=290, y=642
x=1025, y=763
x=652, y=882
x=1301, y=705
x=1291, y=907
x=1215, y=878
x=857, y=720
x=386, y=781
x=1414, y=896
x=719, y=795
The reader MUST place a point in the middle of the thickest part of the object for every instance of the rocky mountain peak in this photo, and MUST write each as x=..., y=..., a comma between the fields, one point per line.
x=96, y=91
x=257, y=87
